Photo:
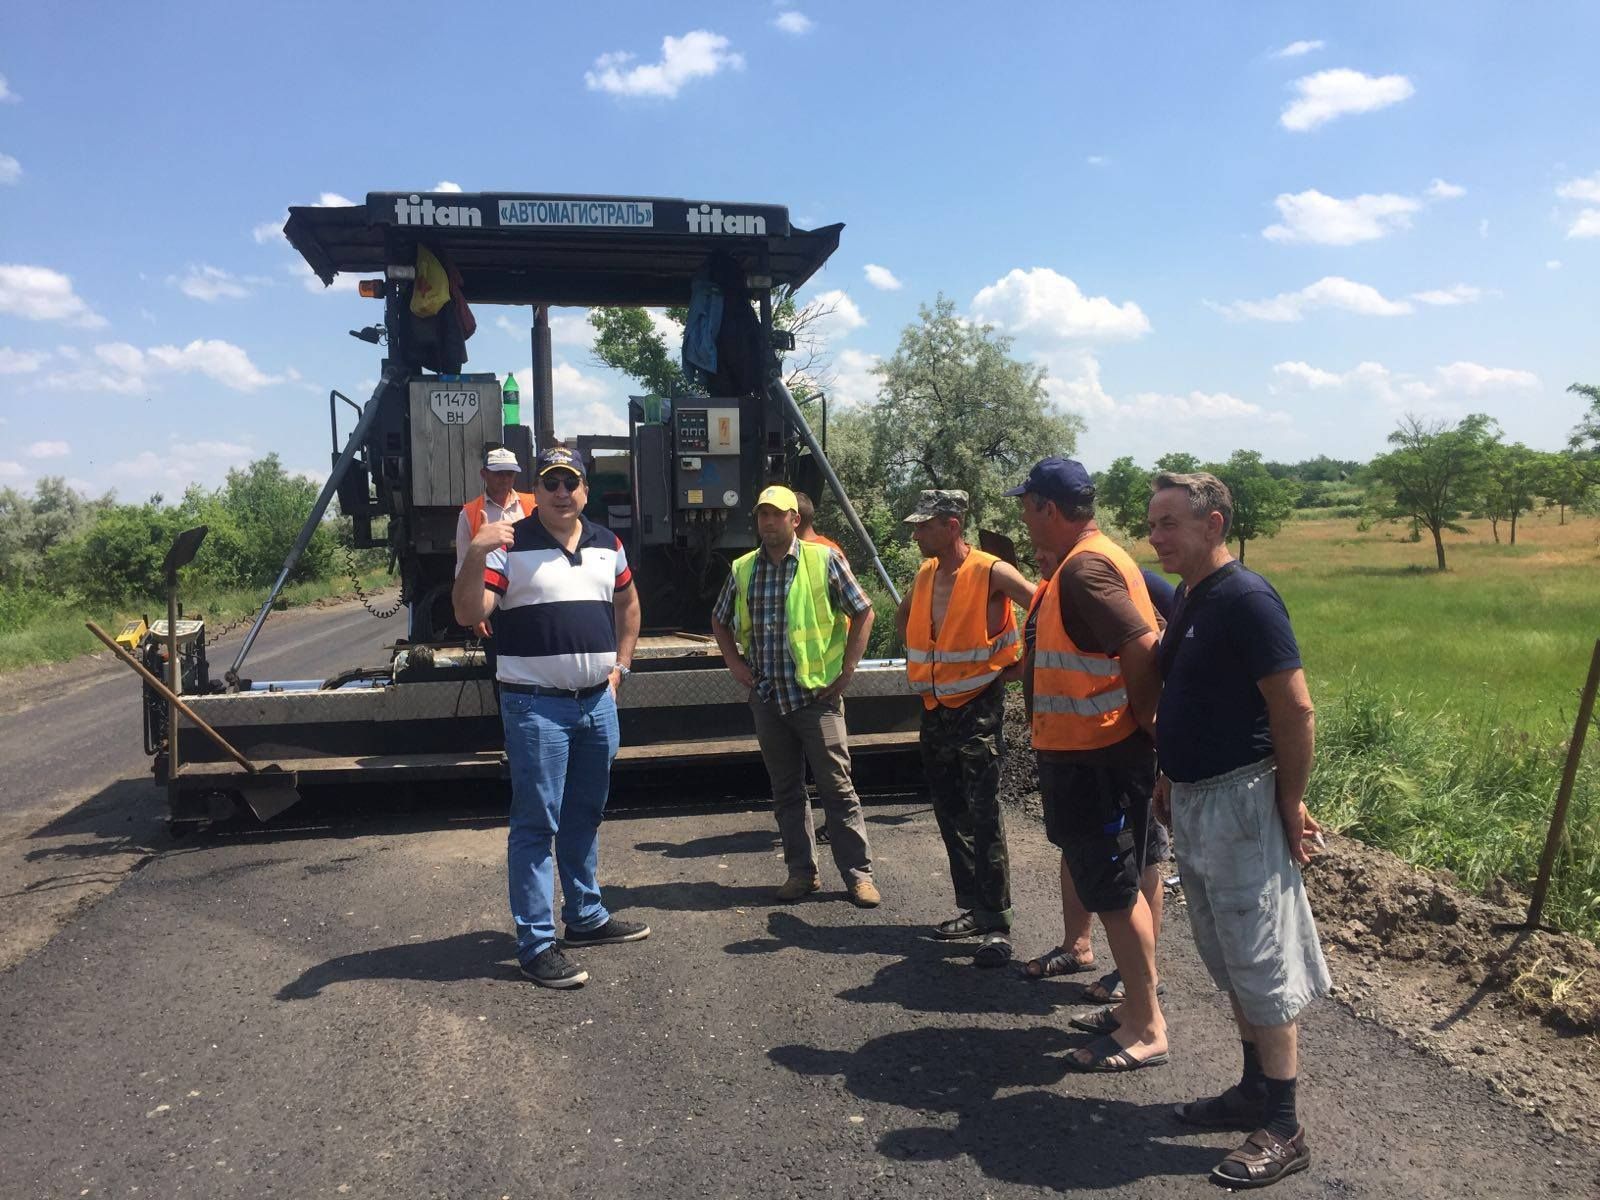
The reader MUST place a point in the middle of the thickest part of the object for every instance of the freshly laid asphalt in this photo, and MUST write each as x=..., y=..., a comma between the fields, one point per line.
x=331, y=1008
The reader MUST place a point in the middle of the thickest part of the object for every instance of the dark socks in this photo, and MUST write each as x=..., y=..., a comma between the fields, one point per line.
x=1252, y=1083
x=1278, y=1111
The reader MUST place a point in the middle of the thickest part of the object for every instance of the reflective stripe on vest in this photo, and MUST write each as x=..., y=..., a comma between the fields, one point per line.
x=1080, y=701
x=817, y=633
x=965, y=659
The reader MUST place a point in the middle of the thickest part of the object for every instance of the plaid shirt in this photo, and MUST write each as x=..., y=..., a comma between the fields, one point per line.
x=771, y=662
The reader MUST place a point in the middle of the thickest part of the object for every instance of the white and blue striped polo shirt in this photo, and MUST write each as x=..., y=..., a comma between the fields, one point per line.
x=554, y=624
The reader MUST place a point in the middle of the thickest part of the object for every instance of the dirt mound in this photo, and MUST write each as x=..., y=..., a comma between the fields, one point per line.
x=1371, y=902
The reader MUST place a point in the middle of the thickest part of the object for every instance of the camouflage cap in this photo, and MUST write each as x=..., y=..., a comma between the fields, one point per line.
x=939, y=502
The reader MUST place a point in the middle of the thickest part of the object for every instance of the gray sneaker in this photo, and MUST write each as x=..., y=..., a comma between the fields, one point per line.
x=552, y=969
x=604, y=935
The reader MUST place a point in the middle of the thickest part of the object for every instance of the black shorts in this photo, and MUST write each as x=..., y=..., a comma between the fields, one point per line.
x=1099, y=817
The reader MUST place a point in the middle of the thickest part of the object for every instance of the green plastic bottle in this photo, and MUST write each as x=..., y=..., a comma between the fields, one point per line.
x=511, y=402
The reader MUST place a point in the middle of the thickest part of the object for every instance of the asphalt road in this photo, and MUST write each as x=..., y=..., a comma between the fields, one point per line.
x=332, y=1009
x=77, y=805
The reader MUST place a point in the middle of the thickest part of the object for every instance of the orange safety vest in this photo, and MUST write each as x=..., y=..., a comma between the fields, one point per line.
x=1080, y=700
x=964, y=659
x=474, y=510
x=823, y=540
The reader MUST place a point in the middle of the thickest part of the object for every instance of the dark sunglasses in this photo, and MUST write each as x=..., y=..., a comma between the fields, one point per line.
x=556, y=480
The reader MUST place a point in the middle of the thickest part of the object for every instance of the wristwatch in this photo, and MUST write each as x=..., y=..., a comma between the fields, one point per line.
x=626, y=671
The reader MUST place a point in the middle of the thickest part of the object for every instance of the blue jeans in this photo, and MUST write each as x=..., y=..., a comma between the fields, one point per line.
x=560, y=750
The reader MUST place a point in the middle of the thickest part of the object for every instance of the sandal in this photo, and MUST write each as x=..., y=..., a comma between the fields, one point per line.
x=1231, y=1110
x=993, y=951
x=1101, y=1021
x=1051, y=963
x=1108, y=989
x=964, y=925
x=1264, y=1159
x=1106, y=1057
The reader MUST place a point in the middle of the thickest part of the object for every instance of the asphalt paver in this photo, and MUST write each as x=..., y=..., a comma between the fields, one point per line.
x=335, y=1011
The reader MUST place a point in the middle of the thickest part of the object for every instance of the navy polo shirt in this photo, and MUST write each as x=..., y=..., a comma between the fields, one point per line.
x=1213, y=717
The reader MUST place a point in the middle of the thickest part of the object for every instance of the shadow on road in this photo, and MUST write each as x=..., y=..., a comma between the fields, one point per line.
x=744, y=841
x=923, y=974
x=1037, y=1138
x=701, y=895
x=487, y=954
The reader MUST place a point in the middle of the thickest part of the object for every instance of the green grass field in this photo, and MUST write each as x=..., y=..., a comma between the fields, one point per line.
x=1506, y=632
x=57, y=634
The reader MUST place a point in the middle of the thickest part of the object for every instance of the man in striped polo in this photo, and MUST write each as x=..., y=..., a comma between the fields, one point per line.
x=792, y=624
x=566, y=621
x=962, y=646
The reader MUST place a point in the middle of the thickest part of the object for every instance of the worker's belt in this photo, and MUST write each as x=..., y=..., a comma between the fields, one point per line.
x=530, y=689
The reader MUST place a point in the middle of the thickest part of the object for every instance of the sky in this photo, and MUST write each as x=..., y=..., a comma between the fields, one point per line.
x=1225, y=226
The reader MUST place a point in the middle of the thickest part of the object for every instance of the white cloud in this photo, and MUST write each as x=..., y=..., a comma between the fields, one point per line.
x=444, y=185
x=1552, y=264
x=1483, y=227
x=1195, y=406
x=1587, y=224
x=1331, y=291
x=1097, y=160
x=1404, y=389
x=267, y=231
x=794, y=22
x=49, y=450
x=1043, y=303
x=1474, y=378
x=21, y=362
x=1305, y=373
x=208, y=283
x=332, y=200
x=854, y=383
x=1440, y=190
x=10, y=169
x=1586, y=189
x=125, y=369
x=698, y=54
x=882, y=278
x=40, y=294
x=1296, y=49
x=178, y=465
x=843, y=319
x=1330, y=94
x=1461, y=293
x=11, y=470
x=1328, y=221
x=7, y=96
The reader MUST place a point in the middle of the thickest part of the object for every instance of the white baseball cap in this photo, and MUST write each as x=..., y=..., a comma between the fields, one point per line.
x=501, y=459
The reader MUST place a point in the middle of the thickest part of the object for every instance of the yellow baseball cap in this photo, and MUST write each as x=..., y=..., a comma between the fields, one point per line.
x=780, y=497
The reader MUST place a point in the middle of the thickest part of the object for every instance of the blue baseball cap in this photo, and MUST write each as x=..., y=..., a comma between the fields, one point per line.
x=1056, y=478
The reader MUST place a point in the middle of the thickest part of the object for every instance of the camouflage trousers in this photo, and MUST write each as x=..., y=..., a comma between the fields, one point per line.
x=961, y=752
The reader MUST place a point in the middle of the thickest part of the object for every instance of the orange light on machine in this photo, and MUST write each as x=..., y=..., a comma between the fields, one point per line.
x=374, y=289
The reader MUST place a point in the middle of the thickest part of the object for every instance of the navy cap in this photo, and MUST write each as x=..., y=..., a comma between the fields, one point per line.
x=1057, y=478
x=559, y=458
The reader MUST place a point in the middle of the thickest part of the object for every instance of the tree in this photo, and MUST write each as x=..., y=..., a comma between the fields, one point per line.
x=1511, y=474
x=1122, y=496
x=1435, y=472
x=1563, y=481
x=1261, y=504
x=1586, y=435
x=956, y=410
x=1178, y=462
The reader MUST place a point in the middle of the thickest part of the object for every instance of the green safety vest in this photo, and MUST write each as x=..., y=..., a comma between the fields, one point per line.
x=817, y=633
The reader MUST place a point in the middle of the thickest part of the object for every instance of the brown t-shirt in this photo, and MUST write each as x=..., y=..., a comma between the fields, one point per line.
x=1100, y=618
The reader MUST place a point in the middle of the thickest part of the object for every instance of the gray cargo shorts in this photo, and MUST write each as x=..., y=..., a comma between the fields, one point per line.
x=1246, y=898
